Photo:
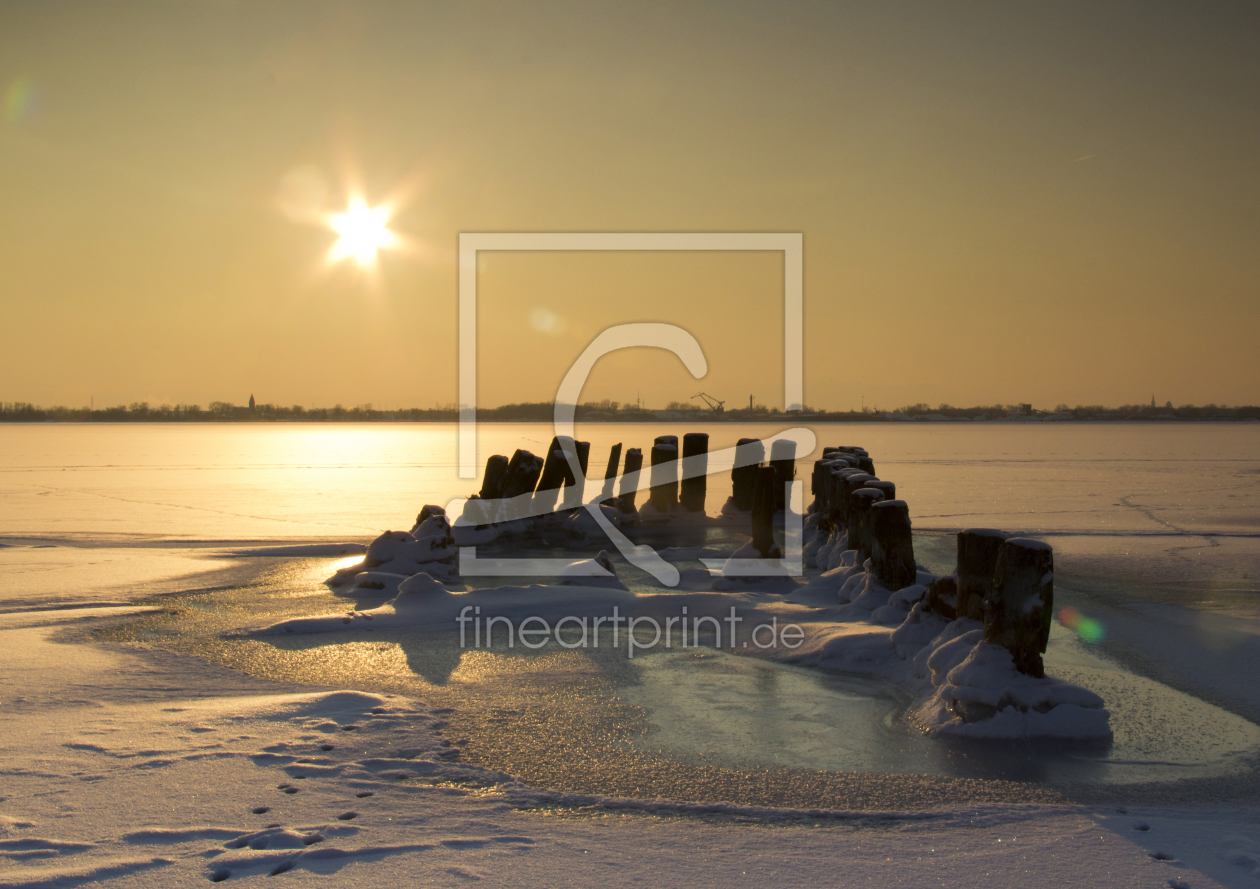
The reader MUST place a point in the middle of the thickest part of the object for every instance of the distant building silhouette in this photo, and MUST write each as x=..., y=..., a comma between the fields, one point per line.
x=251, y=402
x=1152, y=401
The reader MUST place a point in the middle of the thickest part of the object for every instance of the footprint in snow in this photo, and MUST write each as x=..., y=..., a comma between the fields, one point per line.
x=365, y=794
x=218, y=876
x=1141, y=825
x=347, y=816
x=1161, y=856
x=260, y=810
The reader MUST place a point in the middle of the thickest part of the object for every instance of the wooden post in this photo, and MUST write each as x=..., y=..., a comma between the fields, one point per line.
x=889, y=489
x=860, y=503
x=696, y=458
x=664, y=493
x=572, y=490
x=783, y=459
x=749, y=451
x=892, y=547
x=492, y=481
x=553, y=476
x=1017, y=612
x=977, y=559
x=520, y=477
x=630, y=479
x=763, y=510
x=610, y=474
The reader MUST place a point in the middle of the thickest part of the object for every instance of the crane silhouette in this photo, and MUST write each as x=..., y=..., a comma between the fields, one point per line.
x=713, y=403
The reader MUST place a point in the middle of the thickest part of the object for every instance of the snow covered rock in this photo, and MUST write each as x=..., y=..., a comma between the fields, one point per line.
x=385, y=548
x=418, y=590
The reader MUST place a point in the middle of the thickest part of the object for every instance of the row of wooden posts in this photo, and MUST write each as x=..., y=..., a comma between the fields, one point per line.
x=1006, y=582
x=757, y=486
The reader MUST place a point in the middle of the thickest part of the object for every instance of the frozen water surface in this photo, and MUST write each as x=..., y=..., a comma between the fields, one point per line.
x=1145, y=520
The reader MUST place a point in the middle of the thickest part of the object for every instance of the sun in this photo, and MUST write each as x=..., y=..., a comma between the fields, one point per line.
x=363, y=233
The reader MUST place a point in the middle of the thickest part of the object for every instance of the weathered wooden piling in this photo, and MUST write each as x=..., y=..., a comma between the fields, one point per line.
x=749, y=452
x=555, y=468
x=492, y=481
x=889, y=488
x=572, y=490
x=1017, y=611
x=664, y=456
x=783, y=459
x=695, y=453
x=763, y=511
x=977, y=560
x=860, y=503
x=522, y=473
x=610, y=474
x=848, y=481
x=942, y=597
x=892, y=546
x=630, y=479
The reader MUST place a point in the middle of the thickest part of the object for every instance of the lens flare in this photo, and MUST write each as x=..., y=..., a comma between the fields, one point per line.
x=1087, y=628
x=18, y=99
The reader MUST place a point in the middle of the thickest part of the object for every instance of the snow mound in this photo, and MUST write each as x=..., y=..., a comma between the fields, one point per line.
x=596, y=572
x=979, y=693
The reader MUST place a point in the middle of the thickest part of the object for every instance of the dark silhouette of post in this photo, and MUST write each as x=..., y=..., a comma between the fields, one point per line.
x=750, y=452
x=664, y=493
x=763, y=511
x=696, y=459
x=630, y=479
x=783, y=459
x=492, y=481
x=610, y=474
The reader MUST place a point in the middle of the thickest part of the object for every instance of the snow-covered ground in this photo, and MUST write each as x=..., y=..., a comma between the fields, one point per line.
x=143, y=768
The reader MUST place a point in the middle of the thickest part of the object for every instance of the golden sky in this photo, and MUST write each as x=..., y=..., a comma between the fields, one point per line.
x=1000, y=202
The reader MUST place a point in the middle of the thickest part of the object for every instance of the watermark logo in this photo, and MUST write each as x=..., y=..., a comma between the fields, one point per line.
x=571, y=631
x=655, y=335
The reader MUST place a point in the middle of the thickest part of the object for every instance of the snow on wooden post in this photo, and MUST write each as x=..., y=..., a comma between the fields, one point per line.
x=860, y=503
x=1018, y=609
x=783, y=459
x=889, y=488
x=610, y=474
x=492, y=481
x=892, y=548
x=749, y=451
x=850, y=480
x=695, y=451
x=630, y=479
x=664, y=493
x=763, y=511
x=942, y=597
x=977, y=559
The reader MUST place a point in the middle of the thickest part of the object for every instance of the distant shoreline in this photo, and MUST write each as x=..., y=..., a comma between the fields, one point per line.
x=611, y=412
x=764, y=418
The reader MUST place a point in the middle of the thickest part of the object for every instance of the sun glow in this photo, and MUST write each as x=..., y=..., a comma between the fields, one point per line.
x=363, y=233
